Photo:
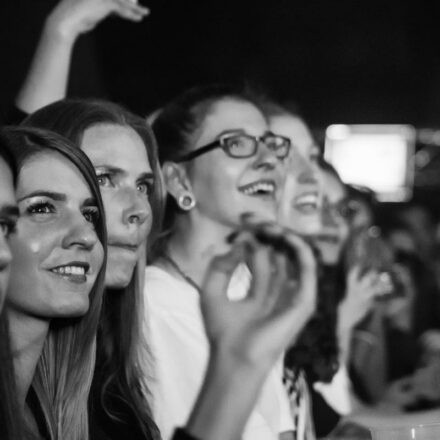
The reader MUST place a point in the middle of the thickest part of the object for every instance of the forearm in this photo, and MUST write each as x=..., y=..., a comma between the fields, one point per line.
x=48, y=74
x=227, y=397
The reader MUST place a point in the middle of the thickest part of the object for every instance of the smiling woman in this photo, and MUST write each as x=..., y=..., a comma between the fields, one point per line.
x=57, y=276
x=220, y=161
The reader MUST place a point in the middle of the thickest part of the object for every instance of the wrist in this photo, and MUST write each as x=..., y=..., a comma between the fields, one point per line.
x=59, y=31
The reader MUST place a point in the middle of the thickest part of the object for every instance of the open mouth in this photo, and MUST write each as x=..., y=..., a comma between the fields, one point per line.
x=262, y=188
x=307, y=202
x=74, y=271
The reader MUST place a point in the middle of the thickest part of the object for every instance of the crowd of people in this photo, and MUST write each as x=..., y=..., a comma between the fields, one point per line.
x=201, y=272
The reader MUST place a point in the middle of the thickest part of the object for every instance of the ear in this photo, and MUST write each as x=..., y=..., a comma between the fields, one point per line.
x=176, y=179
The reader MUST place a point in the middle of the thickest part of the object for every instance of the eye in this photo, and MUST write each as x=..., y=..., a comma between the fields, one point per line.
x=145, y=187
x=91, y=214
x=7, y=227
x=104, y=180
x=40, y=208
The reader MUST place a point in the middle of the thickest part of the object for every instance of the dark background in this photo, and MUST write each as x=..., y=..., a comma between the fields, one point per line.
x=340, y=60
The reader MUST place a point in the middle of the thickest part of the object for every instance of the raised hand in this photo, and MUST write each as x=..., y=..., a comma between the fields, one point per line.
x=281, y=299
x=248, y=336
x=70, y=18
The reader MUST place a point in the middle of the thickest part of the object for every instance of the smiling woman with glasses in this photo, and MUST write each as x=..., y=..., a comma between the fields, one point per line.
x=220, y=163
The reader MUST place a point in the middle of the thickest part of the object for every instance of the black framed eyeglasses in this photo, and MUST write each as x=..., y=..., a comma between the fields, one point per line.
x=242, y=145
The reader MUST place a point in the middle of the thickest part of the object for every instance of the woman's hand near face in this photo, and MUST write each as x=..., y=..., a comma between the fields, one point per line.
x=248, y=336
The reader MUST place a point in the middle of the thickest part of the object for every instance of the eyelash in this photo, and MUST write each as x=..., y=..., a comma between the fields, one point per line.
x=107, y=176
x=7, y=227
x=37, y=207
x=91, y=214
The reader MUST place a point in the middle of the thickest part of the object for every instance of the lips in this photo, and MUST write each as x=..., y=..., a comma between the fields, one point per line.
x=73, y=271
x=259, y=188
x=307, y=202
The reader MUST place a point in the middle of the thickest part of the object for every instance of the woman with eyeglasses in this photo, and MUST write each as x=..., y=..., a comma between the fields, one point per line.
x=223, y=170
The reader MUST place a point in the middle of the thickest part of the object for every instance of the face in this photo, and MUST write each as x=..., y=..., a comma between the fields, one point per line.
x=126, y=180
x=226, y=187
x=8, y=220
x=335, y=227
x=57, y=254
x=300, y=201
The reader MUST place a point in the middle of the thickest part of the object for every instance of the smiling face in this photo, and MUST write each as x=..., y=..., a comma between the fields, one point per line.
x=301, y=199
x=8, y=219
x=126, y=179
x=335, y=226
x=57, y=254
x=226, y=187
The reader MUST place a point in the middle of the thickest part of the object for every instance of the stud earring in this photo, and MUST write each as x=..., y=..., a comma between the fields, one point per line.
x=186, y=201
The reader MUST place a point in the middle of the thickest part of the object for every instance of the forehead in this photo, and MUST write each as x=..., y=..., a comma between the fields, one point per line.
x=52, y=171
x=228, y=115
x=333, y=189
x=116, y=145
x=7, y=194
x=295, y=129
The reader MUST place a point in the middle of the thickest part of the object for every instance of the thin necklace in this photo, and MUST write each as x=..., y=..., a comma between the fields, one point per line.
x=177, y=268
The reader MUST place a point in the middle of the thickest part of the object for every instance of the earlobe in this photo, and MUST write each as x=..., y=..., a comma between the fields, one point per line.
x=178, y=185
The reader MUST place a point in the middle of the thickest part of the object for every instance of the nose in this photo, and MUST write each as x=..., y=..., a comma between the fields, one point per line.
x=5, y=253
x=136, y=208
x=304, y=170
x=266, y=158
x=80, y=233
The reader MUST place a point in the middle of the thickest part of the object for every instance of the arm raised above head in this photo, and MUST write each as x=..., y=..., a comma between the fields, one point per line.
x=47, y=78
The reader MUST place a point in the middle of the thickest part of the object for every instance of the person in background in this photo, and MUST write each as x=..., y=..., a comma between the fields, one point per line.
x=9, y=428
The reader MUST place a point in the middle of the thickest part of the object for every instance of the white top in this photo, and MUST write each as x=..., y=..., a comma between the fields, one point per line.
x=180, y=355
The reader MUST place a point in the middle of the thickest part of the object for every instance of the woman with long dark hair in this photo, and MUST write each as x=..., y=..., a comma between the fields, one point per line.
x=55, y=288
x=123, y=152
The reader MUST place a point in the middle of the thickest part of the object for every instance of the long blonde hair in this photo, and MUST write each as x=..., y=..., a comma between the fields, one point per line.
x=65, y=369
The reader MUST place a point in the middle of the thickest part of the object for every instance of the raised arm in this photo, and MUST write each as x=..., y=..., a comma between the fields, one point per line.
x=48, y=74
x=247, y=337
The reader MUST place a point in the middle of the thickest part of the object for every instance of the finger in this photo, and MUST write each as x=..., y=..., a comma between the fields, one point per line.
x=261, y=266
x=276, y=295
x=219, y=273
x=354, y=274
x=128, y=10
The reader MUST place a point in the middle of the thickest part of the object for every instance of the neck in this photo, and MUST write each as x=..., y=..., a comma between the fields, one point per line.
x=27, y=340
x=192, y=245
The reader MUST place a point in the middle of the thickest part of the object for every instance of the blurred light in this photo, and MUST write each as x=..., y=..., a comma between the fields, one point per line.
x=338, y=131
x=379, y=157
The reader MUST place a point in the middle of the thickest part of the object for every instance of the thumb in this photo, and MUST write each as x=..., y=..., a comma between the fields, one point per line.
x=220, y=271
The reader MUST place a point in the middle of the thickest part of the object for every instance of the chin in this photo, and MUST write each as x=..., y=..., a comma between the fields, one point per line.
x=119, y=273
x=71, y=309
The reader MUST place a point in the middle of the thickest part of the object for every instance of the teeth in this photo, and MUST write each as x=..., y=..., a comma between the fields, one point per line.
x=69, y=270
x=266, y=187
x=307, y=199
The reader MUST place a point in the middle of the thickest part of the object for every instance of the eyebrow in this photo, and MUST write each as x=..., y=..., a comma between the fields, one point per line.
x=53, y=195
x=9, y=211
x=146, y=176
x=231, y=131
